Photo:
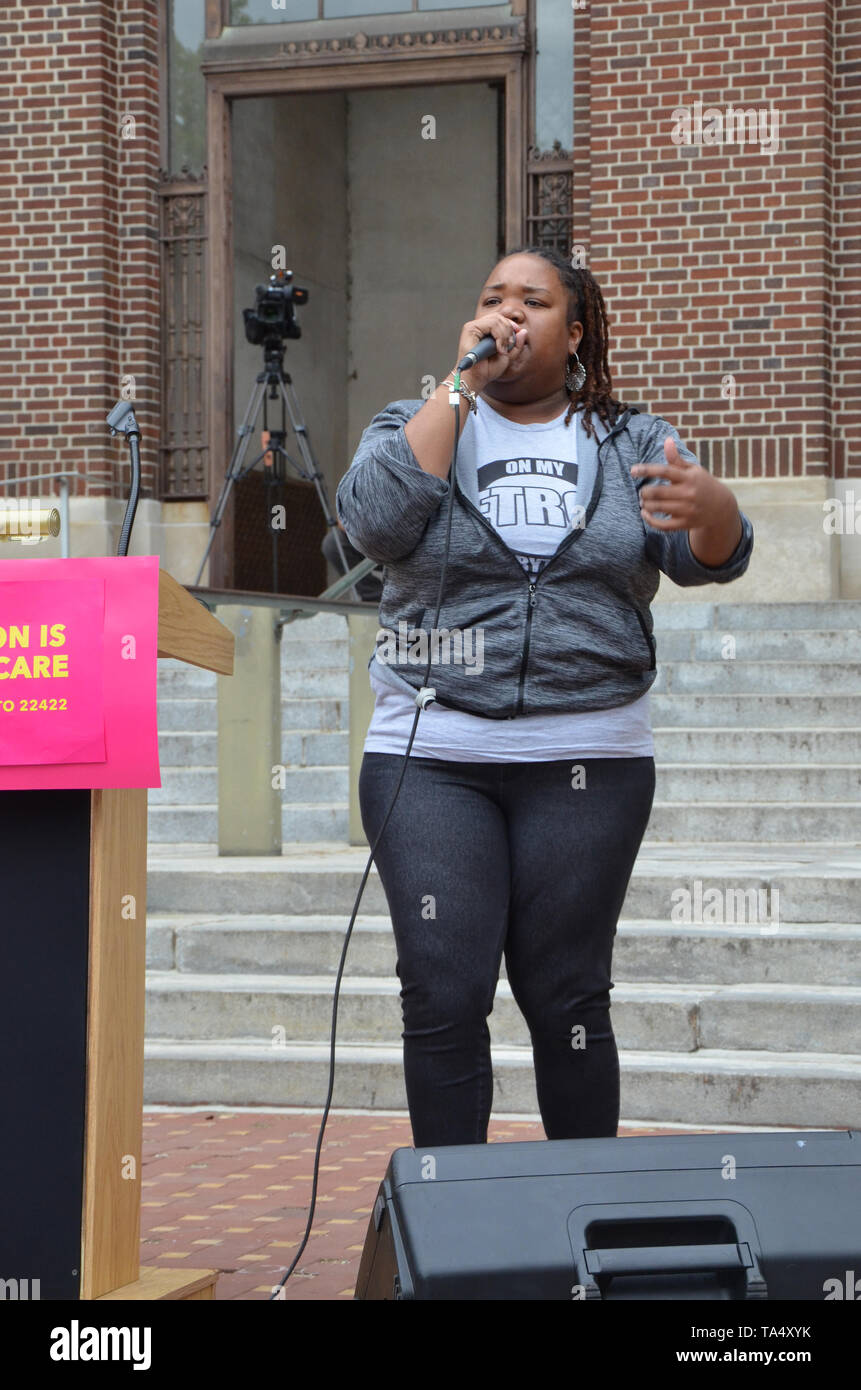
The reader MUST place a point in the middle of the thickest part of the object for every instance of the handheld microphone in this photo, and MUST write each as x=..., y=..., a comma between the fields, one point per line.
x=486, y=347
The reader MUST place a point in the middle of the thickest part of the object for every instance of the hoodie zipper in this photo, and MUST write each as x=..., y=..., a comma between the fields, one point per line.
x=529, y=611
x=563, y=546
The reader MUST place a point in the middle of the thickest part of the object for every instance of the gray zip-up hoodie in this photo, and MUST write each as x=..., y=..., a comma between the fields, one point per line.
x=579, y=637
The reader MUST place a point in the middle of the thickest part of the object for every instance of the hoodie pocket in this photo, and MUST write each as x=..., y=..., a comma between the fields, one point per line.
x=650, y=641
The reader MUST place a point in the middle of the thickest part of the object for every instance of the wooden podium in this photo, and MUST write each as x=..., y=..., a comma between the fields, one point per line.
x=73, y=867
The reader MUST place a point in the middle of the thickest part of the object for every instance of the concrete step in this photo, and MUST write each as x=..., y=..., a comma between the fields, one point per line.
x=815, y=883
x=646, y=1016
x=319, y=635
x=678, y=822
x=325, y=627
x=695, y=614
x=174, y=825
x=668, y=614
x=326, y=663
x=753, y=711
x=263, y=1007
x=177, y=679
x=675, y=783
x=309, y=712
x=813, y=782
x=187, y=716
x=746, y=711
x=799, y=953
x=777, y=782
x=311, y=653
x=178, y=749
x=689, y=666
x=310, y=821
x=751, y=822
x=791, y=644
x=316, y=682
x=312, y=748
x=257, y=943
x=268, y=943
x=681, y=671
x=316, y=715
x=759, y=678
x=700, y=1088
x=733, y=617
x=308, y=748
x=722, y=747
x=198, y=824
x=186, y=786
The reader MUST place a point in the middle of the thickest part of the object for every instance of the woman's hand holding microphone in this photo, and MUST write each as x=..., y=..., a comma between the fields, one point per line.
x=430, y=432
x=510, y=342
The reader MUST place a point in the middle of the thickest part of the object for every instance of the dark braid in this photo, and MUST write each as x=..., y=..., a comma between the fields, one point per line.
x=586, y=304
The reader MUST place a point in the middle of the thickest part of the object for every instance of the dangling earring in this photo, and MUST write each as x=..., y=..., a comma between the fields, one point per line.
x=574, y=380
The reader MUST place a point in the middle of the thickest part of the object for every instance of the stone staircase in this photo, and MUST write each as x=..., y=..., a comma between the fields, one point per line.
x=721, y=1021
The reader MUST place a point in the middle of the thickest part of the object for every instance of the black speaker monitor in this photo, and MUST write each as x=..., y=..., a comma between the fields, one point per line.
x=728, y=1216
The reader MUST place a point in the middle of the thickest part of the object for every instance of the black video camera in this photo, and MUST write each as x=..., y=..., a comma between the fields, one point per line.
x=273, y=317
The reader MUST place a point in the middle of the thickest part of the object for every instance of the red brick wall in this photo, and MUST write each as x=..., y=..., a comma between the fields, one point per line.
x=714, y=259
x=582, y=152
x=846, y=312
x=725, y=259
x=79, y=237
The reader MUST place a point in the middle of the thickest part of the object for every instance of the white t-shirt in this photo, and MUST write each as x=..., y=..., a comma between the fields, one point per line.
x=527, y=481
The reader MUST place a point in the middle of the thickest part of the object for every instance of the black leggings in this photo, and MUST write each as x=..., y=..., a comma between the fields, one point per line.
x=481, y=858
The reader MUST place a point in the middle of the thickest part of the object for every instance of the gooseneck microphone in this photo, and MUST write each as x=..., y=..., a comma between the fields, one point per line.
x=486, y=347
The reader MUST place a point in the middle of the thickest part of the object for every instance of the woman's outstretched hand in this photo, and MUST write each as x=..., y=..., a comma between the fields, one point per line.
x=693, y=501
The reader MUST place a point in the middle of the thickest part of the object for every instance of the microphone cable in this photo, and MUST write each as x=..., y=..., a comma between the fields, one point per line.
x=424, y=697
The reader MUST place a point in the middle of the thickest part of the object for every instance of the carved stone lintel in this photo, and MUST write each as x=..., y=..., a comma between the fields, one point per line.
x=538, y=158
x=185, y=175
x=476, y=38
x=380, y=45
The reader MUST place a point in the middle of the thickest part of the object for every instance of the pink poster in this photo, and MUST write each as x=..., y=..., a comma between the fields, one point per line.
x=78, y=672
x=51, y=678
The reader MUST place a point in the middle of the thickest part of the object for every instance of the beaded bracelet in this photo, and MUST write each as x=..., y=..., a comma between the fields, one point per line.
x=465, y=391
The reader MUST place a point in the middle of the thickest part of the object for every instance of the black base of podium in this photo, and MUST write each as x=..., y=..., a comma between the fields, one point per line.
x=44, y=944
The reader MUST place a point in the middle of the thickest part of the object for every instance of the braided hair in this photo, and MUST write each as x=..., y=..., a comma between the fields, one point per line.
x=585, y=304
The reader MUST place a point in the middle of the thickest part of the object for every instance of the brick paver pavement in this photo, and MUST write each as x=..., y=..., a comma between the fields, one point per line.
x=230, y=1190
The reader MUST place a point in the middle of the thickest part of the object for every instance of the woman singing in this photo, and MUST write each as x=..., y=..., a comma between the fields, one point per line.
x=530, y=781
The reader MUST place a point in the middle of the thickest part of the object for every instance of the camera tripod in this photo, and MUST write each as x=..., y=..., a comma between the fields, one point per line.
x=276, y=379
